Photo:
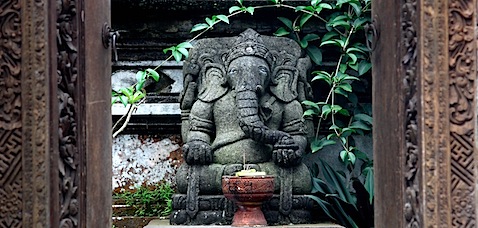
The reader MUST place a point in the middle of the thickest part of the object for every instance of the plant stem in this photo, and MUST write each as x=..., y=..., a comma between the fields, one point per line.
x=131, y=110
x=122, y=117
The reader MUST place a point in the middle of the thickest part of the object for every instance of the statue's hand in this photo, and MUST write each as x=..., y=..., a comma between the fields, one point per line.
x=286, y=152
x=197, y=152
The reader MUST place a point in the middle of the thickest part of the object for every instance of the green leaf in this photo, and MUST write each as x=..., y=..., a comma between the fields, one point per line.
x=325, y=110
x=343, y=68
x=353, y=57
x=274, y=1
x=315, y=2
x=364, y=117
x=334, y=180
x=360, y=125
x=343, y=112
x=140, y=85
x=352, y=158
x=361, y=155
x=305, y=17
x=199, y=27
x=324, y=205
x=341, y=20
x=357, y=7
x=169, y=49
x=315, y=54
x=234, y=9
x=287, y=22
x=343, y=155
x=348, y=77
x=353, y=98
x=154, y=74
x=177, y=55
x=250, y=10
x=329, y=36
x=345, y=86
x=360, y=21
x=310, y=37
x=210, y=21
x=240, y=2
x=138, y=96
x=310, y=112
x=325, y=5
x=281, y=32
x=140, y=76
x=299, y=8
x=323, y=77
x=114, y=99
x=223, y=18
x=341, y=92
x=341, y=2
x=184, y=45
x=354, y=49
x=319, y=144
x=124, y=100
x=335, y=108
x=127, y=91
x=336, y=42
x=183, y=51
x=364, y=67
x=369, y=183
x=311, y=104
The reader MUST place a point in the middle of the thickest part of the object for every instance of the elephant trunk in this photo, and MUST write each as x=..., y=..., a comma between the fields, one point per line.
x=249, y=120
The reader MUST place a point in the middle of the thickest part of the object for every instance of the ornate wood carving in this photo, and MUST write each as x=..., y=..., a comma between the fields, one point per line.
x=68, y=95
x=10, y=116
x=410, y=83
x=462, y=111
x=36, y=122
x=434, y=127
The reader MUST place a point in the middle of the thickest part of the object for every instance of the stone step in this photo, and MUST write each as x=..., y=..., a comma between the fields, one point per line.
x=131, y=221
x=163, y=223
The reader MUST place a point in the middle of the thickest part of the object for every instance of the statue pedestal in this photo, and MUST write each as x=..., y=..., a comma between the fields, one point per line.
x=217, y=210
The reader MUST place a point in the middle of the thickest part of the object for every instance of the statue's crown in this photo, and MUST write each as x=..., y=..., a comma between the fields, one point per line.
x=249, y=43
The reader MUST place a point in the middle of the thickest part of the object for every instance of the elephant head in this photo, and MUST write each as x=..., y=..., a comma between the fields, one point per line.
x=252, y=67
x=249, y=68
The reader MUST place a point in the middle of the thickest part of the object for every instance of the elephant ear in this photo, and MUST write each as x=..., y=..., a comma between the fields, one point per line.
x=213, y=83
x=284, y=83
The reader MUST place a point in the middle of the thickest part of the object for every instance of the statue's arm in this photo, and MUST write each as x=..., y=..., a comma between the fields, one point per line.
x=293, y=123
x=201, y=122
x=197, y=149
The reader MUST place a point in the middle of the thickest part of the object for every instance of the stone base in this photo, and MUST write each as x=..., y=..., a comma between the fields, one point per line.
x=217, y=210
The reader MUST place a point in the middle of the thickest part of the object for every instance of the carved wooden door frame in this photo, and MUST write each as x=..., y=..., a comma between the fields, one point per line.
x=55, y=117
x=425, y=113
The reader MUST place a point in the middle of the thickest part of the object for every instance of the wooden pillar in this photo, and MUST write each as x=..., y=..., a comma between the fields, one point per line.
x=425, y=113
x=55, y=142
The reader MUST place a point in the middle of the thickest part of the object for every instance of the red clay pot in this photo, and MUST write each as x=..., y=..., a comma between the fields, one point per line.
x=248, y=193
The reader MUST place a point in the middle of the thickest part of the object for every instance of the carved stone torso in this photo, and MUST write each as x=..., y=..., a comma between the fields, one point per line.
x=231, y=143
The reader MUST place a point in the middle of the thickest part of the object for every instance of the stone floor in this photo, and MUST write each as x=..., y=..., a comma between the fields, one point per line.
x=157, y=223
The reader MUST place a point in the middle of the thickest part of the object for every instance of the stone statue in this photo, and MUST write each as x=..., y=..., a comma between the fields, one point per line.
x=241, y=109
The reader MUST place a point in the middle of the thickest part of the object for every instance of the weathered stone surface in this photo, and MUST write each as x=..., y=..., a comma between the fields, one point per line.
x=219, y=211
x=141, y=160
x=241, y=105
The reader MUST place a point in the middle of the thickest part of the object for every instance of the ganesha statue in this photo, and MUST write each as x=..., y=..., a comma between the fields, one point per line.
x=241, y=109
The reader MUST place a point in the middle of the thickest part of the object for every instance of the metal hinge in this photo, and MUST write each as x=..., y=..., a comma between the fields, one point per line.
x=109, y=37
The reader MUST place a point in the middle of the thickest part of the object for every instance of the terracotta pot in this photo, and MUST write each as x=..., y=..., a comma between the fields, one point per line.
x=248, y=193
